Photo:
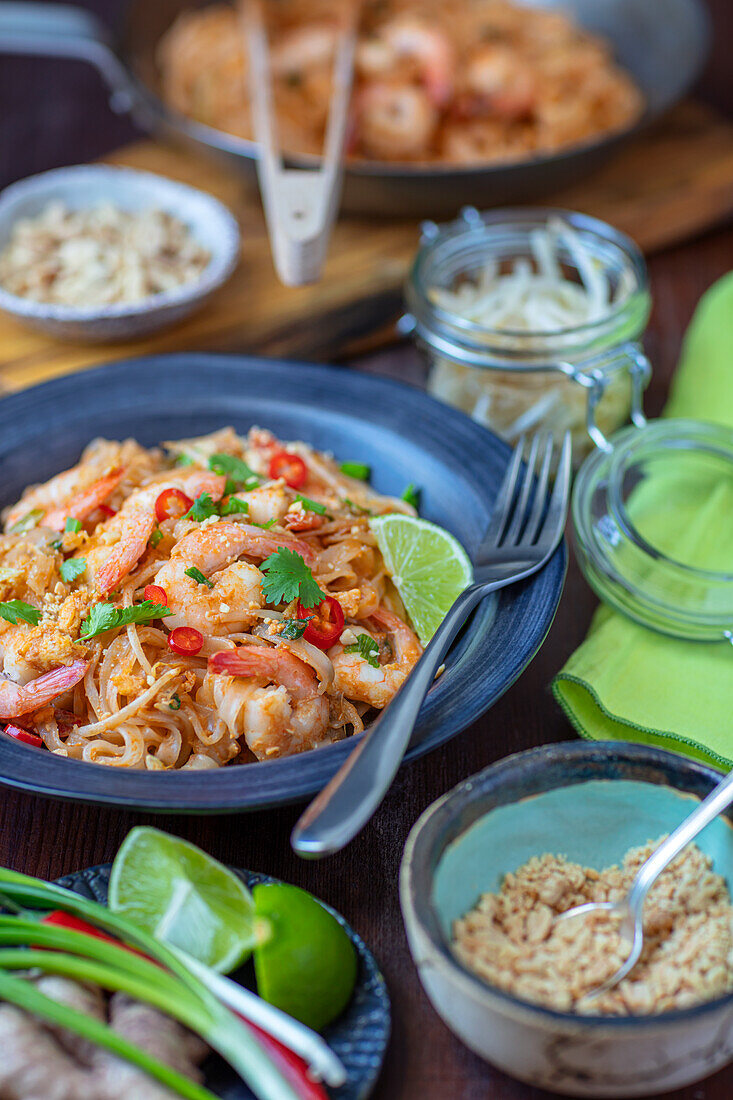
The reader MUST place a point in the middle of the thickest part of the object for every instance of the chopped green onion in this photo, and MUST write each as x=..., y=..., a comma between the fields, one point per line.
x=175, y=701
x=72, y=525
x=27, y=522
x=196, y=575
x=311, y=505
x=412, y=496
x=359, y=470
x=155, y=538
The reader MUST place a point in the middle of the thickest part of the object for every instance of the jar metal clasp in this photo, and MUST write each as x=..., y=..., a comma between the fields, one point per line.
x=595, y=380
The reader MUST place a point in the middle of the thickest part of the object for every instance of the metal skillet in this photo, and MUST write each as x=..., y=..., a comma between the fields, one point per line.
x=662, y=43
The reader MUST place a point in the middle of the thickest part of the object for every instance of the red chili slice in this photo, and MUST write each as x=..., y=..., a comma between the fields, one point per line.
x=185, y=640
x=27, y=738
x=108, y=512
x=156, y=594
x=290, y=467
x=325, y=627
x=171, y=504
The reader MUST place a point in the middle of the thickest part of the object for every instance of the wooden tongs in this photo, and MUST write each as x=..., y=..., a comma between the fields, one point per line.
x=300, y=203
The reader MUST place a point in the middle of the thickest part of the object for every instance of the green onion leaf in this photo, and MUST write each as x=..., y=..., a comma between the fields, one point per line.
x=175, y=701
x=72, y=569
x=15, y=610
x=358, y=470
x=196, y=575
x=27, y=522
x=367, y=648
x=265, y=526
x=72, y=525
x=184, y=460
x=412, y=496
x=311, y=505
x=155, y=538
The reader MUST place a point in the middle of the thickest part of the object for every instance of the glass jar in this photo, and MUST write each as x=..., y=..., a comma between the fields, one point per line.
x=589, y=379
x=653, y=522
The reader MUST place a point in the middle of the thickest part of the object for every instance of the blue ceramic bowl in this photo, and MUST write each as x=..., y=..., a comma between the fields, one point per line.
x=402, y=434
x=591, y=803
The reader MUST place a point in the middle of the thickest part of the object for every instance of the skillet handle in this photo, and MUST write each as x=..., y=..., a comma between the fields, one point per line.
x=61, y=30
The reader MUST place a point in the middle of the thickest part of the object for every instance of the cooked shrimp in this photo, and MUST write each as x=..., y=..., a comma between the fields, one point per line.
x=302, y=48
x=280, y=720
x=501, y=80
x=409, y=37
x=122, y=542
x=357, y=679
x=394, y=121
x=74, y=493
x=267, y=503
x=16, y=700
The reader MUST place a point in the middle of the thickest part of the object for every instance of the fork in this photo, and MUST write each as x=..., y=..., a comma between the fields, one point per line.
x=630, y=908
x=524, y=533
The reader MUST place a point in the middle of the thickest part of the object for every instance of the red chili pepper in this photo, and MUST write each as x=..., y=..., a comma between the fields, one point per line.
x=24, y=736
x=156, y=594
x=291, y=1065
x=60, y=919
x=326, y=623
x=109, y=512
x=290, y=467
x=185, y=640
x=171, y=504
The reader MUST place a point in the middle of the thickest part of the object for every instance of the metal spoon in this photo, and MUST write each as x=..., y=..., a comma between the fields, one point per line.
x=631, y=907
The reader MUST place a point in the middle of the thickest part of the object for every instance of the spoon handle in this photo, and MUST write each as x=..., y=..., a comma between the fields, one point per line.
x=717, y=801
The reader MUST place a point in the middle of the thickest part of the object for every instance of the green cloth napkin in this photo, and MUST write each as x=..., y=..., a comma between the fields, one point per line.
x=631, y=684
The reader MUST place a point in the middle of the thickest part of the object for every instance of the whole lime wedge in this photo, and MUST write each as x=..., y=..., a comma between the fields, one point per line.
x=185, y=898
x=428, y=566
x=308, y=966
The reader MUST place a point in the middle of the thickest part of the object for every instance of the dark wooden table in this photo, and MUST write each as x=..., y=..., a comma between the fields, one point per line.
x=55, y=113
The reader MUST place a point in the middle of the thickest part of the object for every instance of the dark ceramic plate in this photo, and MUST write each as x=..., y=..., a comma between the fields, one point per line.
x=401, y=433
x=359, y=1036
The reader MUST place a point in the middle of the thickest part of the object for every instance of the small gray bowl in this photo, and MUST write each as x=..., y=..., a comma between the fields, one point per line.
x=591, y=803
x=210, y=222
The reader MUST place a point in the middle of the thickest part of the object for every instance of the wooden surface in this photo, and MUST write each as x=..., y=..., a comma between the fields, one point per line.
x=65, y=119
x=662, y=188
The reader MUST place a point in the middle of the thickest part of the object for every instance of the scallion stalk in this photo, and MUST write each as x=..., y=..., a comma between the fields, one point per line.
x=232, y=1039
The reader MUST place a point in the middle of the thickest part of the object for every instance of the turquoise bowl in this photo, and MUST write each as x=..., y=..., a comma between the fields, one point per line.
x=590, y=802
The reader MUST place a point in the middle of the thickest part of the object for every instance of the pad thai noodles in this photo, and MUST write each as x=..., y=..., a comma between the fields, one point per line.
x=481, y=81
x=213, y=601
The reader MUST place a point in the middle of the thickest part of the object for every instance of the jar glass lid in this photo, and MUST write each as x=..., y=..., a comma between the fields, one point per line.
x=653, y=520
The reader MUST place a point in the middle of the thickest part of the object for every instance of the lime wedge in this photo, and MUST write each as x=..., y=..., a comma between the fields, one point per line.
x=182, y=896
x=428, y=566
x=308, y=967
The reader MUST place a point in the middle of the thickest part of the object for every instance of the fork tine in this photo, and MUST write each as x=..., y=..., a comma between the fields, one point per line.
x=554, y=524
x=540, y=497
x=520, y=512
x=505, y=498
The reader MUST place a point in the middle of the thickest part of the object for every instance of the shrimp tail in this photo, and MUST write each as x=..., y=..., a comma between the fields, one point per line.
x=16, y=700
x=83, y=504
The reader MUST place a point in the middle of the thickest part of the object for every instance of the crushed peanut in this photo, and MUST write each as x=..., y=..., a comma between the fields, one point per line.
x=99, y=256
x=512, y=941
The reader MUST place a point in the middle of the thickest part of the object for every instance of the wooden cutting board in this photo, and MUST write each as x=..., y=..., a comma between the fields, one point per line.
x=671, y=183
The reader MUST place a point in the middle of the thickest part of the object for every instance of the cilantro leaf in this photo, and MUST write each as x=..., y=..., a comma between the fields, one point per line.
x=359, y=470
x=367, y=648
x=287, y=578
x=202, y=508
x=155, y=538
x=72, y=525
x=412, y=495
x=311, y=505
x=14, y=610
x=27, y=522
x=72, y=569
x=196, y=575
x=236, y=469
x=104, y=616
x=233, y=506
x=294, y=628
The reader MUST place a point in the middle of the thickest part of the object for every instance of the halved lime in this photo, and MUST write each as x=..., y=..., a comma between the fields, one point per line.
x=308, y=967
x=182, y=896
x=428, y=566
